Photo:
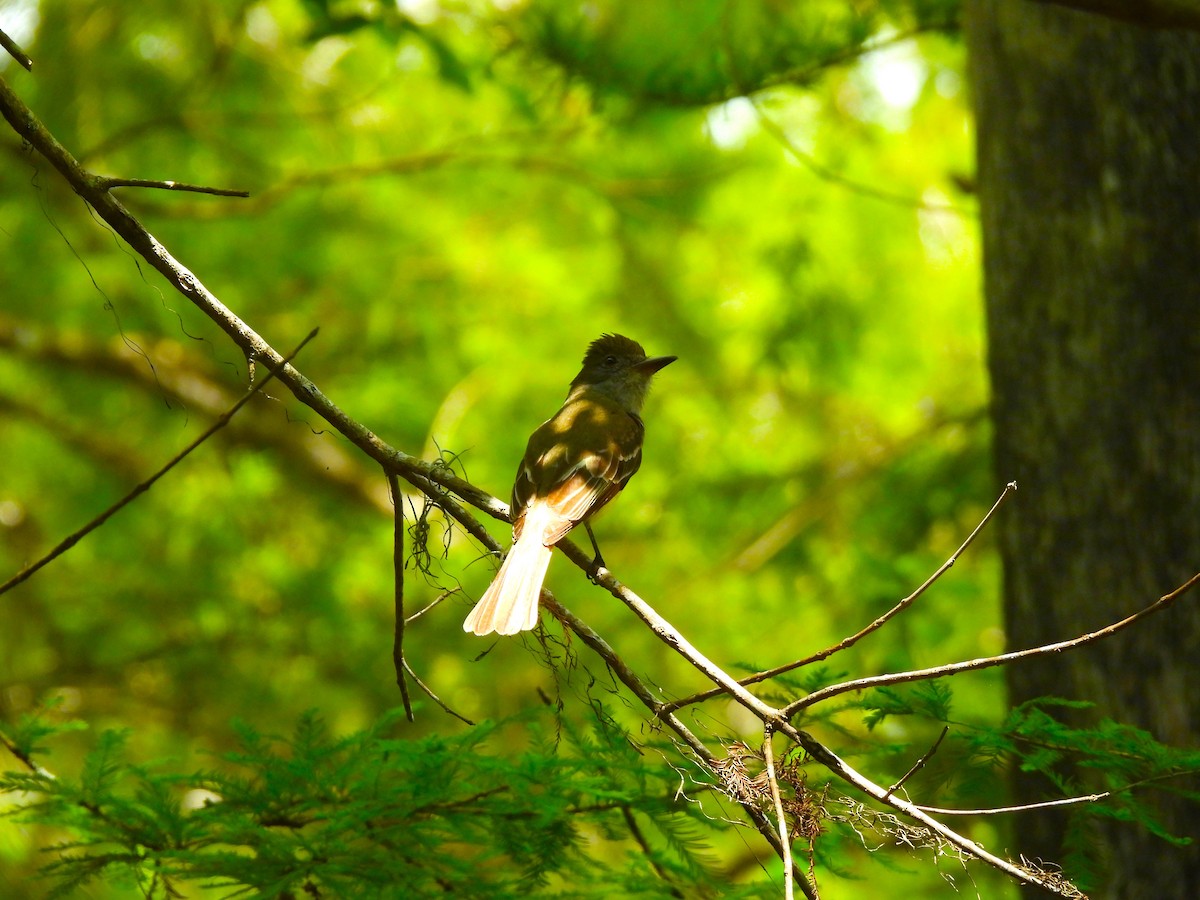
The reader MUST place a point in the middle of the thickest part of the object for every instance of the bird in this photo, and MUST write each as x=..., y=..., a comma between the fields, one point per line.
x=574, y=464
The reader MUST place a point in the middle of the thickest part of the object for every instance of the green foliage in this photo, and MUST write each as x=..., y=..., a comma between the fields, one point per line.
x=462, y=196
x=1105, y=756
x=930, y=699
x=372, y=814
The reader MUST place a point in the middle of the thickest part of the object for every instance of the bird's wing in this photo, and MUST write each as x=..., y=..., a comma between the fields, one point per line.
x=577, y=477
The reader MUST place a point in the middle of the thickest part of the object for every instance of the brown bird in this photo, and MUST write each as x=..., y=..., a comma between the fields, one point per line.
x=575, y=463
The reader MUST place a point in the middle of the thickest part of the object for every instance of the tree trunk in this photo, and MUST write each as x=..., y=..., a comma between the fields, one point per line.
x=1089, y=180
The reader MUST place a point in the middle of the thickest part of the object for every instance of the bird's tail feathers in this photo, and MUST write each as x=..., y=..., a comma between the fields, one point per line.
x=510, y=604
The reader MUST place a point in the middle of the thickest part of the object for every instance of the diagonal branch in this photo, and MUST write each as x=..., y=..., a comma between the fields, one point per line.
x=75, y=537
x=15, y=51
x=986, y=662
x=862, y=633
x=91, y=188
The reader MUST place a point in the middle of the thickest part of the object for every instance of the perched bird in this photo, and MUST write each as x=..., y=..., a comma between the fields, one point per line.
x=576, y=461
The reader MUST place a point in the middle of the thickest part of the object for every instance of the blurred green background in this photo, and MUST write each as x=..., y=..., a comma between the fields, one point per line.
x=462, y=196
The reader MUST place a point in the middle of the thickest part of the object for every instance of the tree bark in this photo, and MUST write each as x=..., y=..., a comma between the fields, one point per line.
x=1148, y=13
x=1089, y=180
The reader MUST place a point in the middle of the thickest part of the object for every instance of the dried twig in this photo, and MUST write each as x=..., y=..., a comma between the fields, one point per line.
x=919, y=764
x=862, y=633
x=986, y=662
x=432, y=696
x=74, y=538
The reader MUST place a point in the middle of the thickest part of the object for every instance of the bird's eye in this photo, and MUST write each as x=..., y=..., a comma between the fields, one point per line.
x=610, y=360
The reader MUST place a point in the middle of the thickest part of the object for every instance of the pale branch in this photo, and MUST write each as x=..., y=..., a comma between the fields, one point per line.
x=862, y=633
x=106, y=183
x=15, y=51
x=842, y=770
x=986, y=662
x=1050, y=804
x=75, y=537
x=773, y=781
x=398, y=594
x=436, y=601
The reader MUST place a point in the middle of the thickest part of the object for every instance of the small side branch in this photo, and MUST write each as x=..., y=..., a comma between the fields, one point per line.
x=919, y=764
x=74, y=538
x=853, y=639
x=106, y=183
x=15, y=51
x=432, y=696
x=970, y=665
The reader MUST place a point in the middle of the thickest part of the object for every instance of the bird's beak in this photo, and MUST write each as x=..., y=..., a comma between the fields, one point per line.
x=654, y=363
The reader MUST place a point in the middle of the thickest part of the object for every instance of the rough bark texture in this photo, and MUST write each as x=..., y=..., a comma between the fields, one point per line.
x=1089, y=178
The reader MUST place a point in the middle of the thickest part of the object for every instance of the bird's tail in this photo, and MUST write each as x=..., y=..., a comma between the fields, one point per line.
x=510, y=604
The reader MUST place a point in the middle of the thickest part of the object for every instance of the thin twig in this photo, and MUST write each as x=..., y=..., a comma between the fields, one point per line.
x=432, y=696
x=419, y=472
x=630, y=679
x=874, y=626
x=398, y=602
x=1049, y=804
x=859, y=684
x=107, y=183
x=15, y=51
x=74, y=538
x=825, y=173
x=777, y=799
x=436, y=601
x=919, y=764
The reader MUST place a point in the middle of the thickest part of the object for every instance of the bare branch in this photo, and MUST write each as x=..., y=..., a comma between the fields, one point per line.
x=874, y=626
x=919, y=764
x=419, y=472
x=108, y=183
x=432, y=696
x=72, y=539
x=859, y=684
x=15, y=51
x=1050, y=804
